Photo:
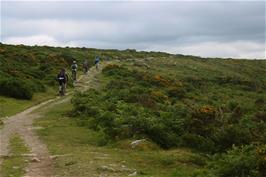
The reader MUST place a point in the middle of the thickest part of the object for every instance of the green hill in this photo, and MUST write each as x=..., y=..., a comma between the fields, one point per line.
x=29, y=73
x=214, y=107
x=32, y=69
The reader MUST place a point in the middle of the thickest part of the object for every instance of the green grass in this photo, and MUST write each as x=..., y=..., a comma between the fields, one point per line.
x=15, y=164
x=85, y=155
x=11, y=106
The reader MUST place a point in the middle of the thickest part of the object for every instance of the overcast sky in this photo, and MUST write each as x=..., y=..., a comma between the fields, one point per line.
x=204, y=28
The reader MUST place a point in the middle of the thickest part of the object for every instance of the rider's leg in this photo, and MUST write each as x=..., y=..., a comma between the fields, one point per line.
x=60, y=87
x=74, y=75
x=63, y=88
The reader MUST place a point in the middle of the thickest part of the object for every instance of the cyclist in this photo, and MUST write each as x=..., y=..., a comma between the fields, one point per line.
x=74, y=68
x=62, y=78
x=97, y=61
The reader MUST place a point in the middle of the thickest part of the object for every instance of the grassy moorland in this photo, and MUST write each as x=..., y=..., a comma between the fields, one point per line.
x=85, y=153
x=28, y=73
x=199, y=117
x=214, y=107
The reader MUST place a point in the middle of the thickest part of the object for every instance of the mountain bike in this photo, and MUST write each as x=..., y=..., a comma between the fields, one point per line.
x=74, y=75
x=62, y=89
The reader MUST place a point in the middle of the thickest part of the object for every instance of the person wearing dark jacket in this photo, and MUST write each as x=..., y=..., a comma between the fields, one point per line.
x=62, y=79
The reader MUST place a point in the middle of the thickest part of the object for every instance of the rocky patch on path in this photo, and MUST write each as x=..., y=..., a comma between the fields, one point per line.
x=116, y=168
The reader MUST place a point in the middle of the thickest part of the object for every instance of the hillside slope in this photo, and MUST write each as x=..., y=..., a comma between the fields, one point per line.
x=28, y=73
x=32, y=69
x=215, y=108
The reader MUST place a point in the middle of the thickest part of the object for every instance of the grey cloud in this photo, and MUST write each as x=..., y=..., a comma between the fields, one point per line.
x=136, y=24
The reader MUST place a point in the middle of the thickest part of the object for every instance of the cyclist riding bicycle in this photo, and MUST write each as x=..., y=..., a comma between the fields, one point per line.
x=74, y=68
x=62, y=79
x=97, y=61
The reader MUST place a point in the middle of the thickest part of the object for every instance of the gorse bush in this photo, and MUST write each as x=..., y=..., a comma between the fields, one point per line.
x=203, y=120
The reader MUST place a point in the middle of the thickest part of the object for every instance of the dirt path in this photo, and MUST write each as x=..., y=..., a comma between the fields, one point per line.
x=40, y=164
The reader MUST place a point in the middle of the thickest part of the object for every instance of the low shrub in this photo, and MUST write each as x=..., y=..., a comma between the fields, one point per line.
x=159, y=96
x=36, y=86
x=230, y=135
x=202, y=120
x=196, y=82
x=117, y=84
x=136, y=104
x=244, y=83
x=195, y=141
x=15, y=88
x=237, y=162
x=117, y=71
x=177, y=92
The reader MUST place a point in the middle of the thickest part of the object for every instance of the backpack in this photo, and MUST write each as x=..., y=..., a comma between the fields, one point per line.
x=74, y=66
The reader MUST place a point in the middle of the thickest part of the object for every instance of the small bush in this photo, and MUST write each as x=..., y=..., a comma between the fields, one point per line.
x=177, y=92
x=159, y=96
x=36, y=86
x=244, y=83
x=232, y=135
x=117, y=84
x=15, y=88
x=159, y=133
x=195, y=81
x=198, y=142
x=202, y=120
x=238, y=162
x=117, y=71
